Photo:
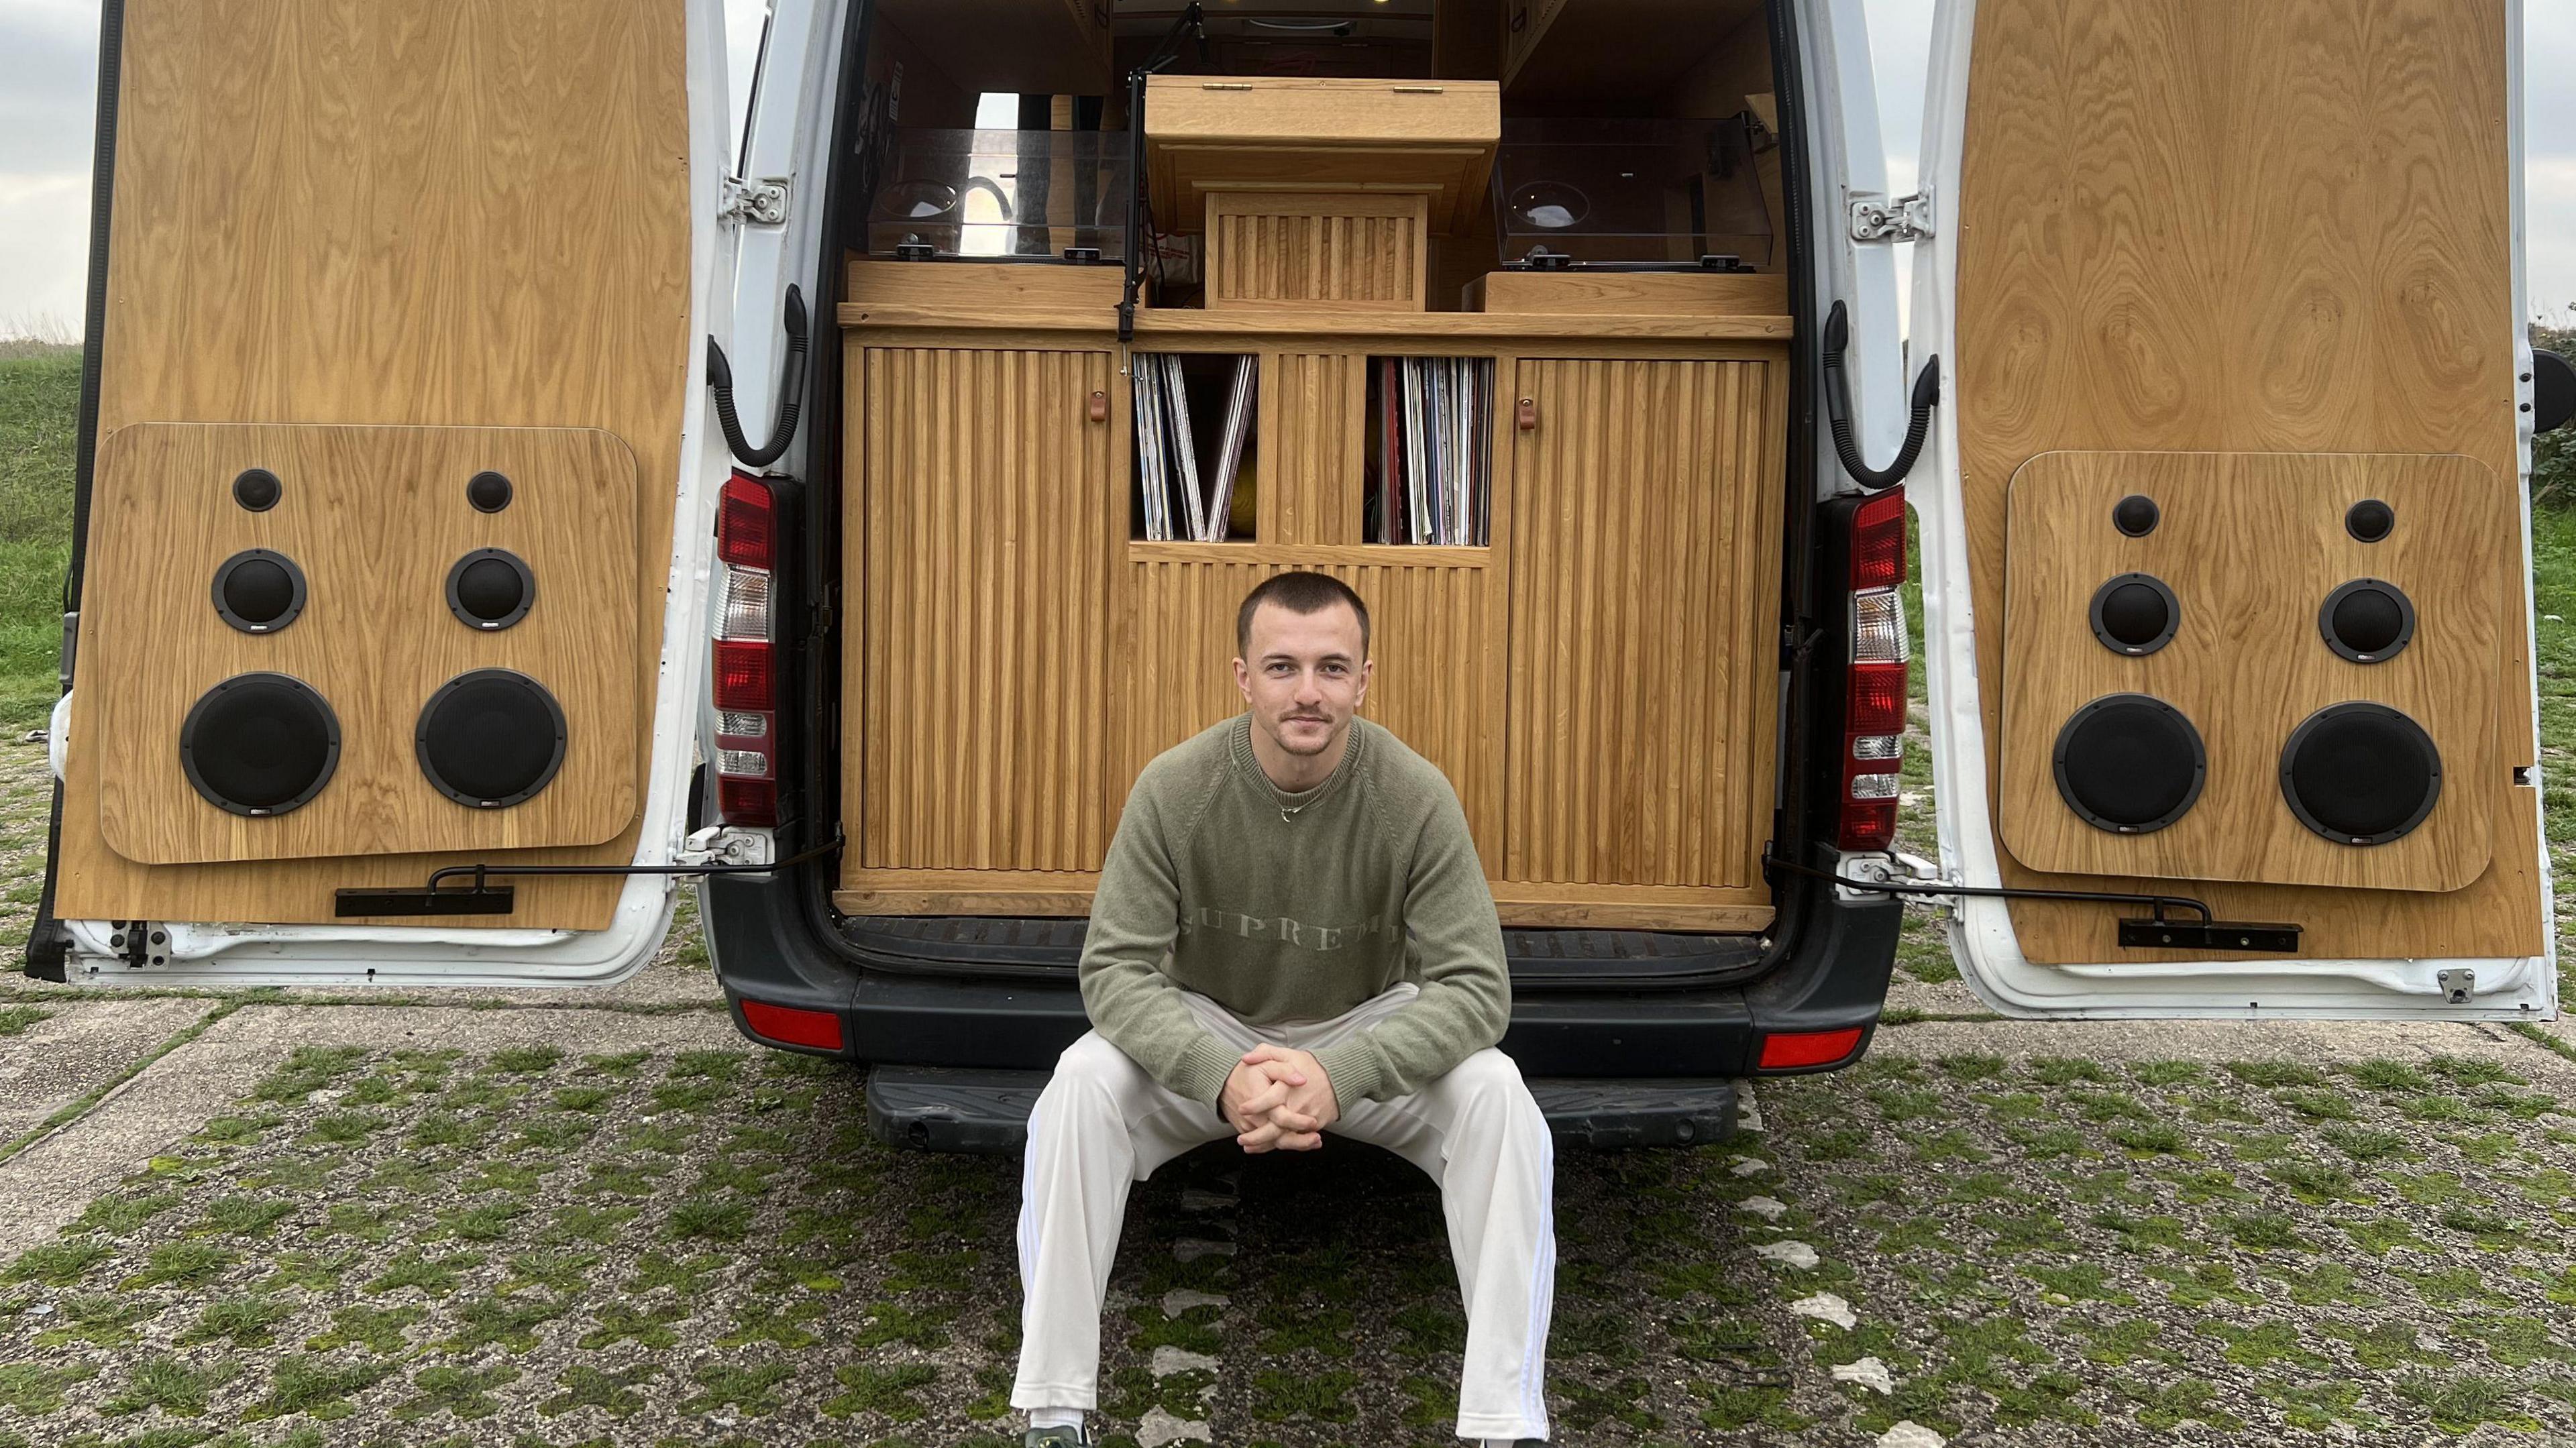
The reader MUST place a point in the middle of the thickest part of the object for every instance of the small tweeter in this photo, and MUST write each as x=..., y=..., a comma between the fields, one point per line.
x=2367, y=621
x=260, y=744
x=490, y=739
x=2136, y=515
x=259, y=591
x=490, y=589
x=488, y=491
x=257, y=490
x=2370, y=520
x=2130, y=764
x=2361, y=774
x=2135, y=614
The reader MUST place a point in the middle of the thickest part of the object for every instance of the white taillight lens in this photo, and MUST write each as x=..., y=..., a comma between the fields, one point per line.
x=742, y=726
x=1873, y=786
x=748, y=762
x=1879, y=746
x=1878, y=627
x=746, y=604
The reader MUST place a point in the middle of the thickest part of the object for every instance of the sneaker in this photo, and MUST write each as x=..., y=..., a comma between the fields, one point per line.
x=1056, y=1438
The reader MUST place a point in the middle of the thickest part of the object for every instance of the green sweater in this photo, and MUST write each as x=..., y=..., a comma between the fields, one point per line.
x=1374, y=881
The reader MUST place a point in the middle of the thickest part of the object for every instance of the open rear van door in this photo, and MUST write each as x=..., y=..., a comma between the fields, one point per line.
x=394, y=491
x=2226, y=548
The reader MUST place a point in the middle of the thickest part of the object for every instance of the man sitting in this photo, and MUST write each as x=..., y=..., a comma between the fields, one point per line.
x=1292, y=936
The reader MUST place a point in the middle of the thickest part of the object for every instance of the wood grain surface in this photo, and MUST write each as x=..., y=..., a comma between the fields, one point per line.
x=1433, y=139
x=1571, y=293
x=2194, y=227
x=1303, y=253
x=343, y=212
x=1645, y=534
x=375, y=517
x=978, y=562
x=2251, y=545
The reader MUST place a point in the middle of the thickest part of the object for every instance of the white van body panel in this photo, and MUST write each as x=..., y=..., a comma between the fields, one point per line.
x=1981, y=931
x=221, y=954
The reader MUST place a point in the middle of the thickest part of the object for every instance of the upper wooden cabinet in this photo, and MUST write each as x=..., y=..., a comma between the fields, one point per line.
x=1433, y=139
x=1040, y=47
x=1570, y=48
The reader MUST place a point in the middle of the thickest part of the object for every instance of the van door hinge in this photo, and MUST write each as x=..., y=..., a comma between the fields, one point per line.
x=1907, y=218
x=721, y=845
x=761, y=202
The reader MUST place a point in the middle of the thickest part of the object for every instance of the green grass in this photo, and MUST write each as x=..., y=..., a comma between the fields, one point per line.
x=39, y=402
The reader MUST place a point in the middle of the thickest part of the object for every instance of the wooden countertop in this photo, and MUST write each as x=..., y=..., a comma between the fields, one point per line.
x=1326, y=325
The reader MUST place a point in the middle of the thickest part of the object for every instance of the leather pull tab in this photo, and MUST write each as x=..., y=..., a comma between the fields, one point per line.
x=1100, y=407
x=1528, y=414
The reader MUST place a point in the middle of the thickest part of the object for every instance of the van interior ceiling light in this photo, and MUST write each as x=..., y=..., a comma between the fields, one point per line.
x=1918, y=427
x=746, y=675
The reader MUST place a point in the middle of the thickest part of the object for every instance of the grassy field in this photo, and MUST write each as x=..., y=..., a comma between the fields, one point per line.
x=39, y=397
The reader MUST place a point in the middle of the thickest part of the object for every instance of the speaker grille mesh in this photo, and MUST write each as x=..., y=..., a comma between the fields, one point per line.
x=2361, y=774
x=259, y=744
x=2130, y=764
x=491, y=738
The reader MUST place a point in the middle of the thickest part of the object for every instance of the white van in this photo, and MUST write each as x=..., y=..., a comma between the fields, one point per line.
x=499, y=505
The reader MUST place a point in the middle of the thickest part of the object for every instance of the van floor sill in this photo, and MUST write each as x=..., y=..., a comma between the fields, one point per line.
x=967, y=944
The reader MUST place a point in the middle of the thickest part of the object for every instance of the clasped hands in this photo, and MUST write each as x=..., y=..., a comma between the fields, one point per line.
x=1279, y=1098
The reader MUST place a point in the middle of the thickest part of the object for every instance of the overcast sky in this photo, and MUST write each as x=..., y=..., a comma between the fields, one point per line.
x=49, y=67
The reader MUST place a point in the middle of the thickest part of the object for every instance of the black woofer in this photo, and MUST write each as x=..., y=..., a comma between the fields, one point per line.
x=2135, y=614
x=259, y=591
x=491, y=738
x=2130, y=764
x=2361, y=774
x=260, y=744
x=2367, y=621
x=490, y=588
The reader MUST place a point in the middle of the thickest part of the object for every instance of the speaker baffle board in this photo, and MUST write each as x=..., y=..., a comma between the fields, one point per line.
x=376, y=521
x=2253, y=547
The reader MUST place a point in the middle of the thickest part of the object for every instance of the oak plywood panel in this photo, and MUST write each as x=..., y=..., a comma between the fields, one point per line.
x=2194, y=227
x=1297, y=253
x=1644, y=561
x=2252, y=545
x=343, y=212
x=1435, y=634
x=1207, y=134
x=979, y=562
x=1313, y=429
x=375, y=517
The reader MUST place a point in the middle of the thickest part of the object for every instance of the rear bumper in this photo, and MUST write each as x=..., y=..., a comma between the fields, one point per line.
x=944, y=1109
x=1001, y=1007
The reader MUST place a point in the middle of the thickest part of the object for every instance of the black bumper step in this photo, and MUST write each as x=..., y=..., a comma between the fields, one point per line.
x=987, y=1112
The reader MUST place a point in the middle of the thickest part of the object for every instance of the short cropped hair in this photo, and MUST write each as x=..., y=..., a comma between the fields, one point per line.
x=1298, y=593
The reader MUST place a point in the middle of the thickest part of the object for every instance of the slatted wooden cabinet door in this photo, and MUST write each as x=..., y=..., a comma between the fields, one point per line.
x=1644, y=541
x=978, y=557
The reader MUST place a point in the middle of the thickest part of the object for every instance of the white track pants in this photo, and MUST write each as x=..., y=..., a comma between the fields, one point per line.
x=1102, y=1123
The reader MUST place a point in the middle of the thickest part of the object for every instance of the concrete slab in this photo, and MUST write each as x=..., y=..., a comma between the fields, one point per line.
x=79, y=1048
x=50, y=1182
x=2321, y=1043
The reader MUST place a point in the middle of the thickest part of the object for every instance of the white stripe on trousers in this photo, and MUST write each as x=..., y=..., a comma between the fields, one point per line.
x=1103, y=1124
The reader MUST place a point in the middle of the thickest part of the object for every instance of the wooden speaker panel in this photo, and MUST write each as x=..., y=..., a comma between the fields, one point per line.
x=376, y=519
x=2250, y=547
x=1294, y=253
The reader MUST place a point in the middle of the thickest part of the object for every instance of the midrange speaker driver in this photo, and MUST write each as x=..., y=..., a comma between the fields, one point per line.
x=2130, y=764
x=490, y=739
x=260, y=744
x=2361, y=774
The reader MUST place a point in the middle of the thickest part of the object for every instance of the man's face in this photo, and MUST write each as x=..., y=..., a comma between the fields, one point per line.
x=1302, y=675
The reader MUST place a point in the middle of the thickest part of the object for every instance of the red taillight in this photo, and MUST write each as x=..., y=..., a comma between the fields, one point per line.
x=789, y=1026
x=1874, y=692
x=1878, y=542
x=1788, y=1050
x=746, y=668
x=745, y=516
x=745, y=682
